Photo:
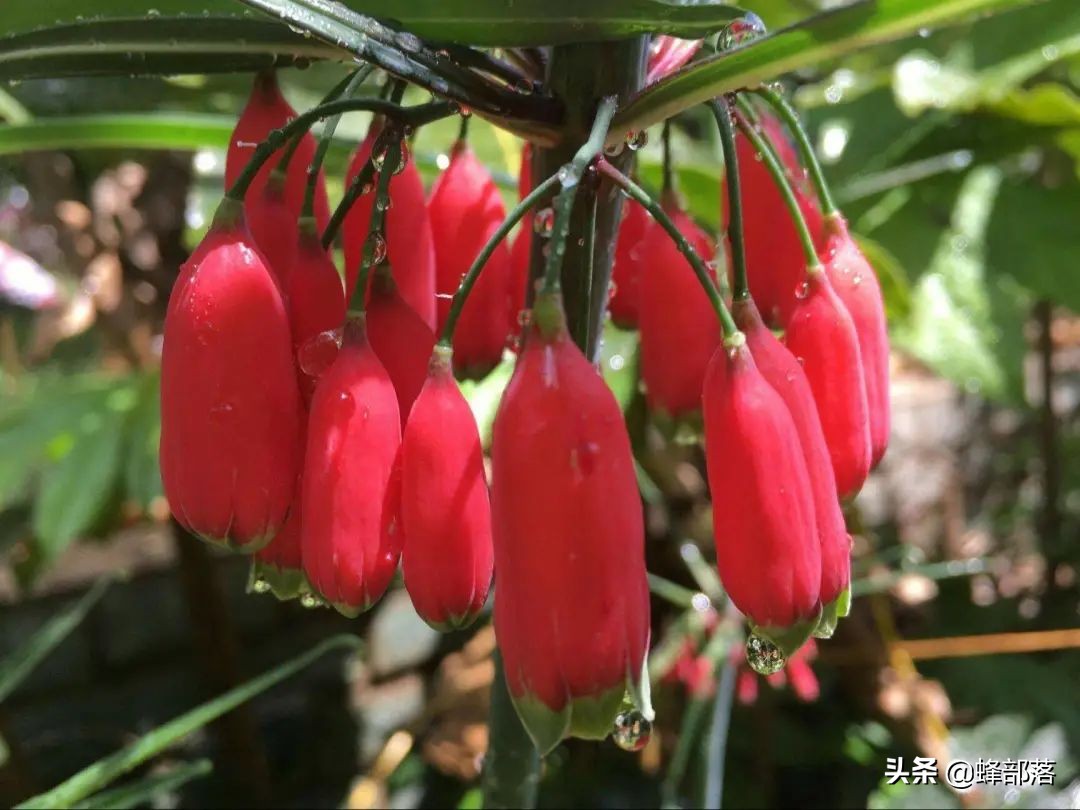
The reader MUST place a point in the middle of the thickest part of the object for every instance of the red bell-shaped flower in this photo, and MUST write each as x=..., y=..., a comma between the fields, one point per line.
x=767, y=548
x=775, y=262
x=410, y=247
x=316, y=302
x=278, y=568
x=679, y=329
x=820, y=333
x=267, y=110
x=784, y=373
x=273, y=225
x=628, y=267
x=572, y=607
x=230, y=409
x=400, y=338
x=351, y=536
x=856, y=284
x=466, y=208
x=448, y=556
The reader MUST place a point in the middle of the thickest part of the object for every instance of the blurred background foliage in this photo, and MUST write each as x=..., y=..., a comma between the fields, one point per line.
x=956, y=156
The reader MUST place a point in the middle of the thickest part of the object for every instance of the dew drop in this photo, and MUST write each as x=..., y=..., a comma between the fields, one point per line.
x=152, y=12
x=375, y=249
x=524, y=317
x=802, y=291
x=739, y=32
x=383, y=204
x=614, y=149
x=637, y=140
x=856, y=280
x=464, y=111
x=403, y=159
x=544, y=221
x=311, y=601
x=523, y=86
x=632, y=730
x=260, y=585
x=763, y=656
x=317, y=353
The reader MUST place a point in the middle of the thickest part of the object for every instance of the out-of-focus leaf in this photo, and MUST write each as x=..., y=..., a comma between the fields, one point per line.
x=142, y=474
x=104, y=772
x=77, y=489
x=996, y=58
x=161, y=130
x=895, y=284
x=965, y=325
x=484, y=395
x=21, y=662
x=1046, y=104
x=1032, y=239
x=698, y=185
x=149, y=790
x=618, y=362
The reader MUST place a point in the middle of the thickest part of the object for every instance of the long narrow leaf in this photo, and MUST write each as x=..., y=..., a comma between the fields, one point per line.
x=95, y=777
x=144, y=790
x=818, y=39
x=24, y=659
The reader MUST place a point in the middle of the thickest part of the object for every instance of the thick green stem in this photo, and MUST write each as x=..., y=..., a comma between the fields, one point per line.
x=571, y=175
x=326, y=137
x=732, y=336
x=469, y=279
x=772, y=162
x=581, y=75
x=722, y=112
x=512, y=763
x=389, y=143
x=787, y=113
x=406, y=116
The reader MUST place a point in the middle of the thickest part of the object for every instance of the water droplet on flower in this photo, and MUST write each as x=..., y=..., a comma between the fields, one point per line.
x=632, y=730
x=544, y=221
x=614, y=149
x=802, y=291
x=317, y=353
x=637, y=140
x=260, y=585
x=375, y=249
x=856, y=280
x=739, y=32
x=404, y=159
x=383, y=204
x=311, y=601
x=763, y=656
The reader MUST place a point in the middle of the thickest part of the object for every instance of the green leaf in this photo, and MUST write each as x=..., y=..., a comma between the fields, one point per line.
x=147, y=791
x=820, y=38
x=76, y=491
x=142, y=474
x=72, y=37
x=966, y=326
x=161, y=130
x=1031, y=239
x=24, y=659
x=127, y=37
x=95, y=777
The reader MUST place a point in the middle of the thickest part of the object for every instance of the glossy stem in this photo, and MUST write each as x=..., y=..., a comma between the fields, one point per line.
x=582, y=326
x=701, y=270
x=375, y=244
x=787, y=114
x=571, y=175
x=772, y=162
x=469, y=279
x=406, y=116
x=669, y=172
x=721, y=110
x=326, y=137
